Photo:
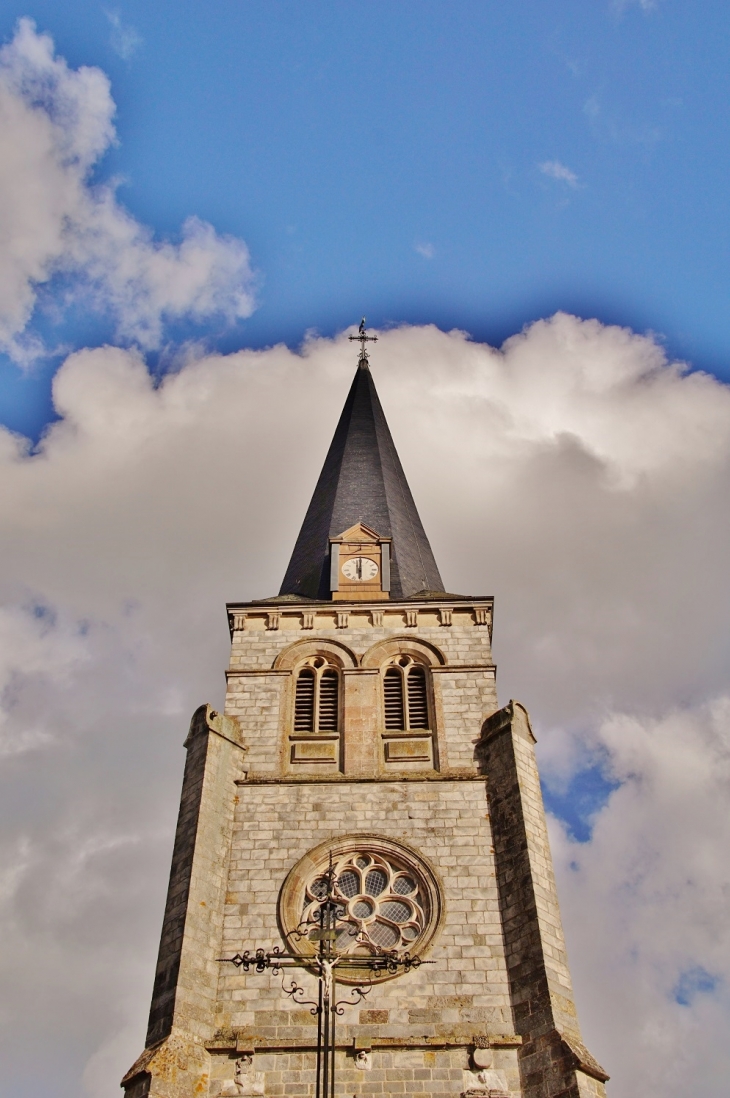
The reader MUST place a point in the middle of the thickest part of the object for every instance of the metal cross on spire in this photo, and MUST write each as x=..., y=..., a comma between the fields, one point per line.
x=363, y=339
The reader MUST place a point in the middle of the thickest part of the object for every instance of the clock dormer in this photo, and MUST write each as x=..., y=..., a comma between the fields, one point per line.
x=359, y=565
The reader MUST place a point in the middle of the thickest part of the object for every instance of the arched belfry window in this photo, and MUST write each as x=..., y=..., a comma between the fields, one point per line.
x=317, y=697
x=405, y=695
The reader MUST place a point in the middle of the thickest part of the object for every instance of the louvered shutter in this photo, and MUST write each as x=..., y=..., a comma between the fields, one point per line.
x=329, y=701
x=394, y=708
x=304, y=701
x=417, y=699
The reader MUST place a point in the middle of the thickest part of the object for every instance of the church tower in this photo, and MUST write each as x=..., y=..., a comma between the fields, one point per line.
x=363, y=809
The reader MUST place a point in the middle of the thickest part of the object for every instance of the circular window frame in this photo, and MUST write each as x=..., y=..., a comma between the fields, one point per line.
x=293, y=892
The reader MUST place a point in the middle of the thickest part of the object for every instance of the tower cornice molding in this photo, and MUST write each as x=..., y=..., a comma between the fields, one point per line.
x=396, y=613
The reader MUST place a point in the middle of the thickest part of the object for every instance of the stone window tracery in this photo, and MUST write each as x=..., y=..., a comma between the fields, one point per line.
x=388, y=898
x=405, y=695
x=381, y=903
x=317, y=697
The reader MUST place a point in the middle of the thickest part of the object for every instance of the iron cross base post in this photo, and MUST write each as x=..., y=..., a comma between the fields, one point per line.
x=327, y=1008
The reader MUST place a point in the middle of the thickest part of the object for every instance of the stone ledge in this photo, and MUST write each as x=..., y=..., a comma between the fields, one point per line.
x=240, y=672
x=458, y=668
x=253, y=1041
x=383, y=779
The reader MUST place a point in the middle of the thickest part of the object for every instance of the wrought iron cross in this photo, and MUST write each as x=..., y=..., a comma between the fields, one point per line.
x=326, y=962
x=363, y=339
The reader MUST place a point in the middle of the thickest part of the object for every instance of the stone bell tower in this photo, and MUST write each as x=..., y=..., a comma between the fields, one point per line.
x=362, y=750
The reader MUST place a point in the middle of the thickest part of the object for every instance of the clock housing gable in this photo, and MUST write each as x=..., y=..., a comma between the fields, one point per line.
x=359, y=565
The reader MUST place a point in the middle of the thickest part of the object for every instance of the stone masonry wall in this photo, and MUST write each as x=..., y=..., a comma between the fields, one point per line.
x=463, y=678
x=464, y=994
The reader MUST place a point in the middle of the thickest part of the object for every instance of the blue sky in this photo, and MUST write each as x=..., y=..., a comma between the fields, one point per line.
x=470, y=165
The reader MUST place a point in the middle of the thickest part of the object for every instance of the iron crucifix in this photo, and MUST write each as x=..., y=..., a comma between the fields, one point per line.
x=363, y=338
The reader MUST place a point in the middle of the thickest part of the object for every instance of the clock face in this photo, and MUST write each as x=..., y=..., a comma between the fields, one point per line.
x=360, y=569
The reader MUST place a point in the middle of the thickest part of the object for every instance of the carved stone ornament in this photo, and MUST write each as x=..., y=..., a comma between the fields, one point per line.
x=487, y=1083
x=482, y=1057
x=246, y=1081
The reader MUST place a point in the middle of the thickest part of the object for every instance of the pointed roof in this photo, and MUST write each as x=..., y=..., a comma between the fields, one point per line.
x=362, y=480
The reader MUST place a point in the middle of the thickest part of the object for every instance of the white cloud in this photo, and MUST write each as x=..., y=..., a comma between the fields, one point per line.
x=55, y=126
x=575, y=473
x=425, y=249
x=555, y=170
x=125, y=40
x=592, y=107
x=646, y=903
x=645, y=5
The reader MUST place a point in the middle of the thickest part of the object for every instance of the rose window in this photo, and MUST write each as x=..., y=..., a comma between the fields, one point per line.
x=382, y=903
x=387, y=897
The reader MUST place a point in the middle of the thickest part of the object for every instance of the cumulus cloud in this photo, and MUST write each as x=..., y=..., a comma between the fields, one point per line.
x=55, y=126
x=555, y=170
x=575, y=473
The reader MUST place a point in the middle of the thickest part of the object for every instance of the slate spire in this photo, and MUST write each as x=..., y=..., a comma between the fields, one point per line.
x=362, y=480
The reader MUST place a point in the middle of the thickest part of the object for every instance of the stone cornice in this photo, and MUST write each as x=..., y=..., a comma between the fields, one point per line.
x=407, y=610
x=318, y=606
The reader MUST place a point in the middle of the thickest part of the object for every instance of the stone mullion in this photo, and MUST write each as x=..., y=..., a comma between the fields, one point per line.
x=406, y=706
x=315, y=714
